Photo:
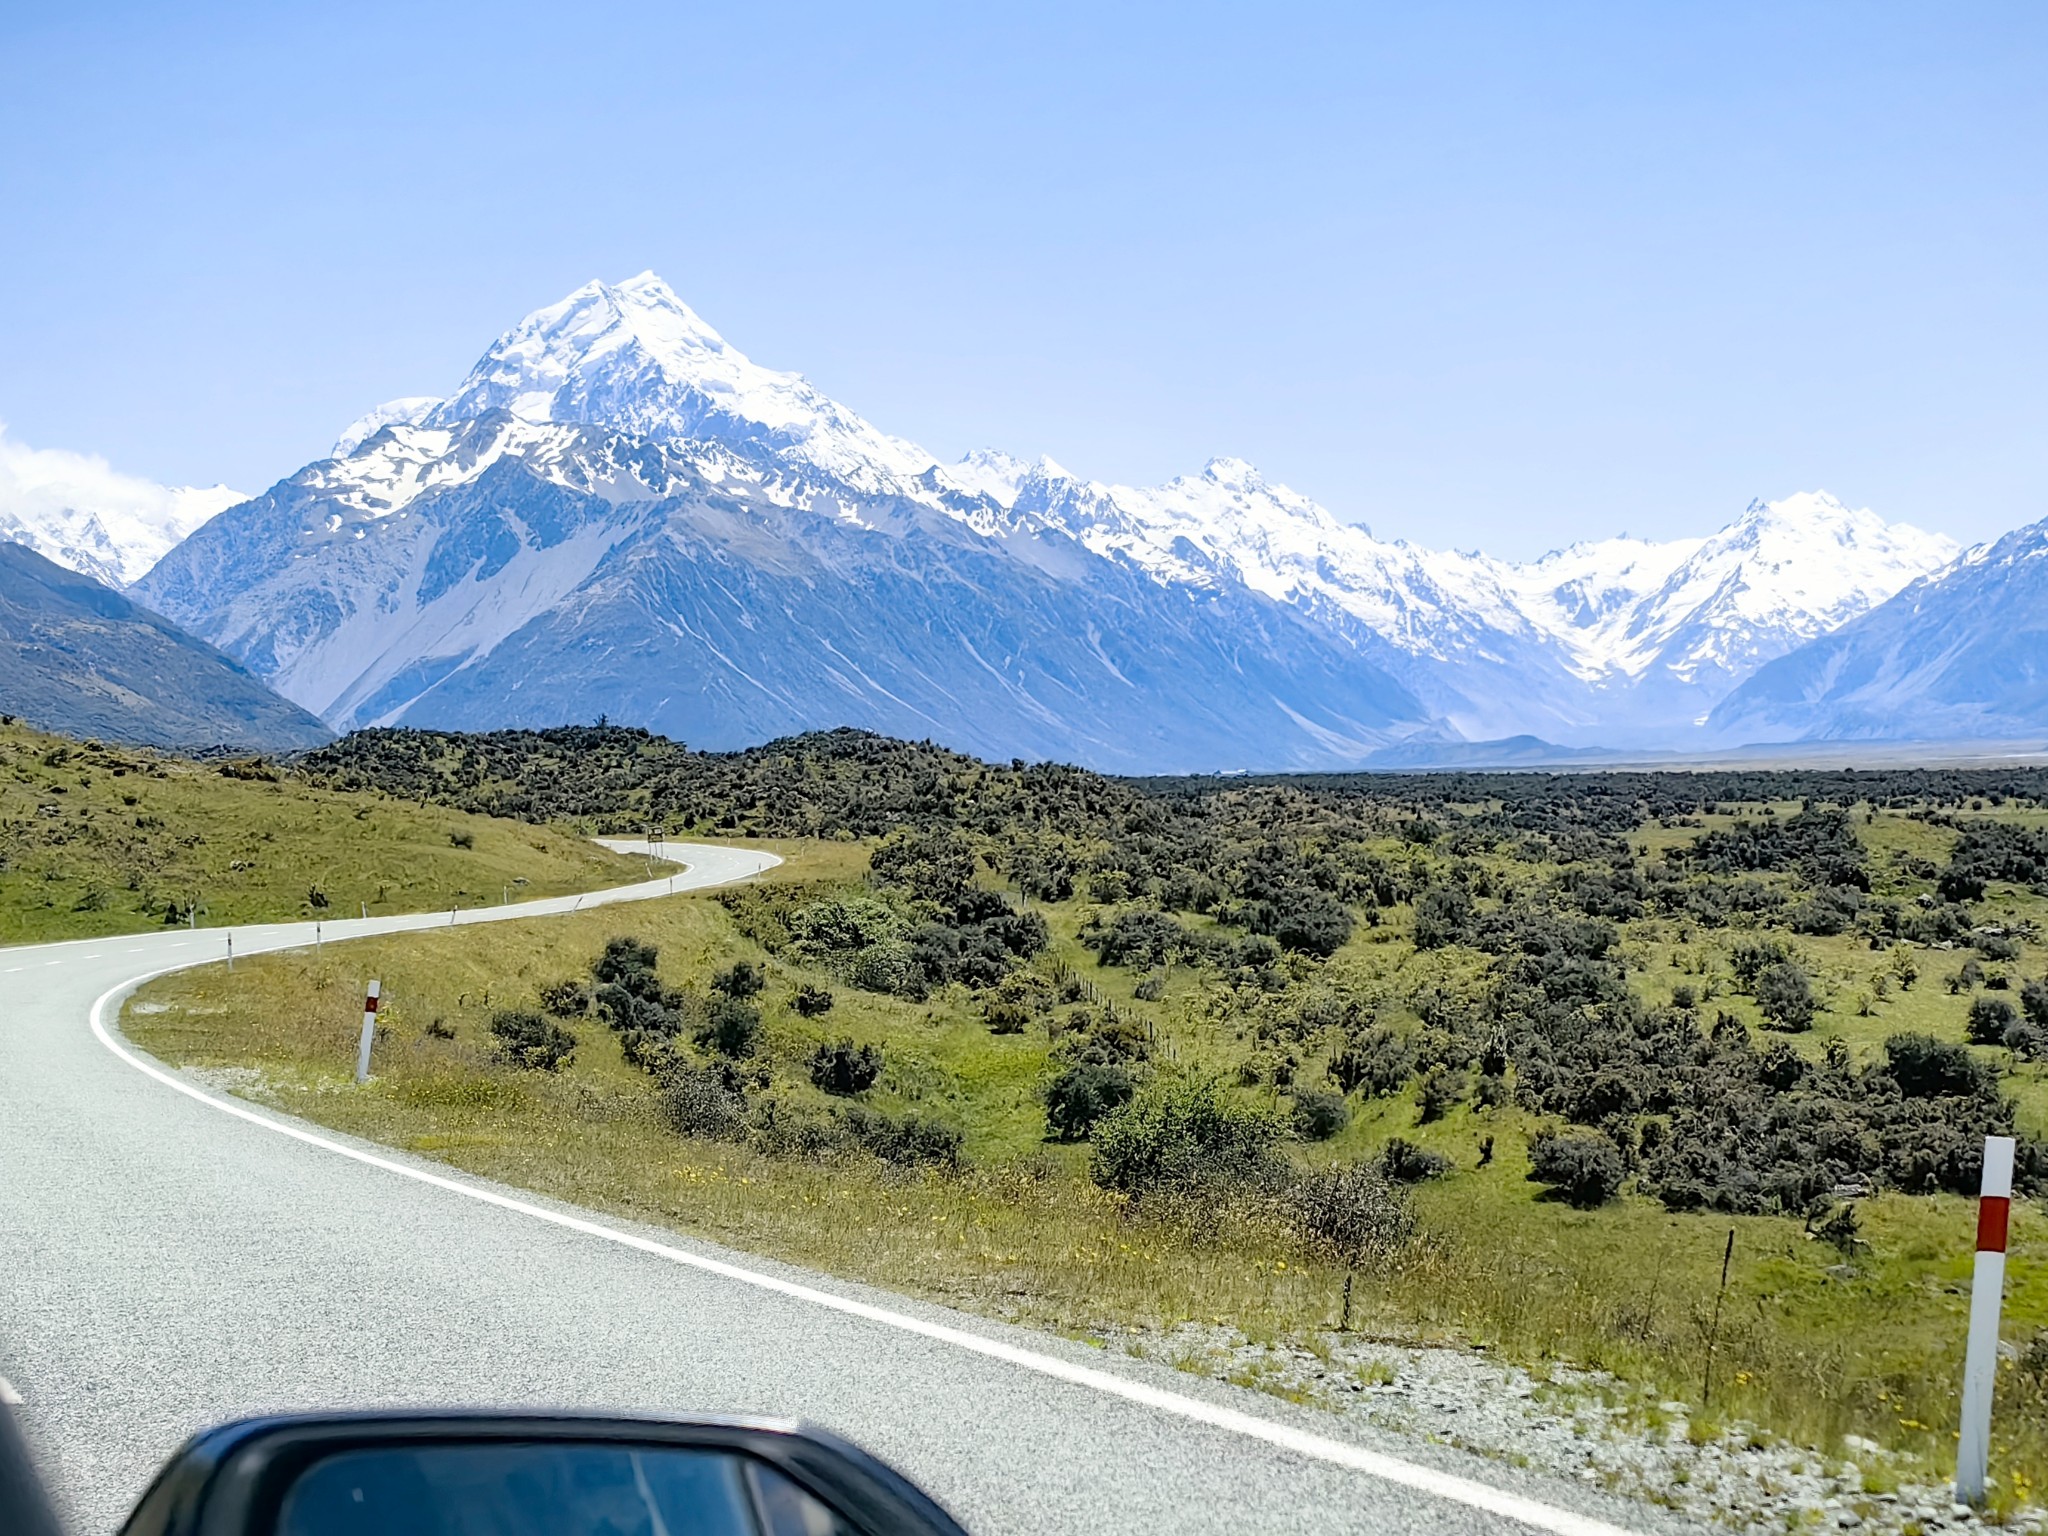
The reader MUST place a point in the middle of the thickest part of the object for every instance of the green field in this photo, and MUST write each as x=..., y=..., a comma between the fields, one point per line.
x=100, y=839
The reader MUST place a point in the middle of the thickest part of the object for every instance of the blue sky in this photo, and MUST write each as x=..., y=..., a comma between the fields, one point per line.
x=1493, y=275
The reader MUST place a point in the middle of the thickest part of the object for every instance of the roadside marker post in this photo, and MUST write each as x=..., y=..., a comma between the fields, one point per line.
x=1987, y=1293
x=369, y=1033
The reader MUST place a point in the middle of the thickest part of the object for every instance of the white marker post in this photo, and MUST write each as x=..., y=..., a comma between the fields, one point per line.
x=369, y=1034
x=1987, y=1292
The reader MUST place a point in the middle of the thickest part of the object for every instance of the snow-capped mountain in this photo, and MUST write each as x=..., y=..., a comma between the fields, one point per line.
x=78, y=511
x=634, y=357
x=508, y=571
x=1960, y=655
x=1661, y=632
x=482, y=540
x=1620, y=639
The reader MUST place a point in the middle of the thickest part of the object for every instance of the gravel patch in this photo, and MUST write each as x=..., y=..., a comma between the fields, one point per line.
x=1581, y=1424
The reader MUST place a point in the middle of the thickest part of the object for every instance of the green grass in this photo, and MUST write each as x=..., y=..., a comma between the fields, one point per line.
x=97, y=840
x=1812, y=1346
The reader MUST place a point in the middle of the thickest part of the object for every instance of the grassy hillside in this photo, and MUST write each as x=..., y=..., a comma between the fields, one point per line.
x=1749, y=1014
x=98, y=839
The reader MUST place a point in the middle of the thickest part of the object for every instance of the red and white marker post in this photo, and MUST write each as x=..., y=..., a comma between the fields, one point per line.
x=1987, y=1293
x=369, y=1033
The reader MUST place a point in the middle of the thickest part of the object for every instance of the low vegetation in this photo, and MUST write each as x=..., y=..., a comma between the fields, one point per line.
x=1497, y=1059
x=99, y=839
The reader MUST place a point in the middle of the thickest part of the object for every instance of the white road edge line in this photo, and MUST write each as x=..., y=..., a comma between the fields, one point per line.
x=1405, y=1474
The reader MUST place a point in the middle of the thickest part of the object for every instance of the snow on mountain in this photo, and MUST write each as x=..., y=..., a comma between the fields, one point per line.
x=506, y=571
x=621, y=395
x=1712, y=610
x=405, y=411
x=635, y=357
x=1622, y=635
x=1960, y=655
x=77, y=510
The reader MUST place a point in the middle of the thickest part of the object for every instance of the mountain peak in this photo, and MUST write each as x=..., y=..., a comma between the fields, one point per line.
x=1239, y=474
x=635, y=357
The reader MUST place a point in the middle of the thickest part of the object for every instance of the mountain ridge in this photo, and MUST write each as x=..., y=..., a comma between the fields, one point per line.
x=622, y=392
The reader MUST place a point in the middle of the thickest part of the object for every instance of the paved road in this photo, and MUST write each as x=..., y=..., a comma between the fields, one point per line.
x=166, y=1262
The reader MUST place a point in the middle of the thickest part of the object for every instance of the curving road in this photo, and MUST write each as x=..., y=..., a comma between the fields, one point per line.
x=169, y=1258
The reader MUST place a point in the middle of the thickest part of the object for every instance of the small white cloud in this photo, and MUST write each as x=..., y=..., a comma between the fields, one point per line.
x=81, y=512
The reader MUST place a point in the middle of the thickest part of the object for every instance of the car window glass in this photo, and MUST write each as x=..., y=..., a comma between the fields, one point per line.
x=521, y=1490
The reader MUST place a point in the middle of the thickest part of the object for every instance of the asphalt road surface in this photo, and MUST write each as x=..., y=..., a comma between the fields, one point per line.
x=170, y=1258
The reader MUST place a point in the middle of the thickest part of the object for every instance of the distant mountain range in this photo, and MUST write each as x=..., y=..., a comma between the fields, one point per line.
x=618, y=513
x=78, y=657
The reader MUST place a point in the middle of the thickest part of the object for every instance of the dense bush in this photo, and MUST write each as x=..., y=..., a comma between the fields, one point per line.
x=565, y=999
x=910, y=1139
x=1082, y=1094
x=1318, y=1115
x=1584, y=1169
x=845, y=1069
x=1183, y=1132
x=1991, y=1020
x=531, y=1042
x=1784, y=995
x=739, y=981
x=705, y=1102
x=731, y=1028
x=811, y=1001
x=1138, y=937
x=1375, y=1061
x=1405, y=1163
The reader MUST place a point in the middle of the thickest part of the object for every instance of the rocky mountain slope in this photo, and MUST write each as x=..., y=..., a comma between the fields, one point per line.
x=79, y=657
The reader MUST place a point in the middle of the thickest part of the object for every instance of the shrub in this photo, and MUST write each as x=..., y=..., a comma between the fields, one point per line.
x=624, y=959
x=1183, y=1132
x=1310, y=922
x=811, y=1001
x=532, y=1043
x=1927, y=1068
x=1377, y=1062
x=2034, y=1001
x=1080, y=1096
x=704, y=1102
x=845, y=1069
x=565, y=999
x=1354, y=1211
x=1319, y=1114
x=782, y=1129
x=910, y=1139
x=1784, y=995
x=739, y=981
x=1584, y=1168
x=1443, y=915
x=731, y=1028
x=1991, y=1020
x=1440, y=1091
x=1405, y=1163
x=1750, y=958
x=1137, y=937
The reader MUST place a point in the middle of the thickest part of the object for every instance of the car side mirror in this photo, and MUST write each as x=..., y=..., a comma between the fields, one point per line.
x=528, y=1474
